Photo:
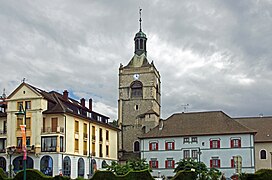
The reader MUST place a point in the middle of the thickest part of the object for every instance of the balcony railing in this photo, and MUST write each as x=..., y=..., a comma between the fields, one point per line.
x=85, y=152
x=53, y=130
x=49, y=149
x=85, y=135
x=93, y=137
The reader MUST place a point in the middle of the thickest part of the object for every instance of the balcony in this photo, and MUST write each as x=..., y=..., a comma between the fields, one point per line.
x=49, y=149
x=93, y=137
x=85, y=152
x=85, y=135
x=93, y=153
x=51, y=130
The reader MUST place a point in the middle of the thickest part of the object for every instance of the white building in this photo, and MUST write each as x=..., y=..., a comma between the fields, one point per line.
x=211, y=137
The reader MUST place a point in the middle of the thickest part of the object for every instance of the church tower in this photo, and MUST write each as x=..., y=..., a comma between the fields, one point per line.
x=139, y=103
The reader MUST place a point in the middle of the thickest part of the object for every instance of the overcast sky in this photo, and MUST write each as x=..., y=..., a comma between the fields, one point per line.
x=212, y=55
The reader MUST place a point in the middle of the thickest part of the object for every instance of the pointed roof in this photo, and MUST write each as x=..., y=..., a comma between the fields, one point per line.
x=198, y=124
x=261, y=124
x=138, y=61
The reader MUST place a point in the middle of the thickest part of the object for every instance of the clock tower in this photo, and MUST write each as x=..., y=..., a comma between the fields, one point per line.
x=139, y=103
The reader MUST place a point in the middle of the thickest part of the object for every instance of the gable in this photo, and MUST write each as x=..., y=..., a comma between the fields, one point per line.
x=24, y=92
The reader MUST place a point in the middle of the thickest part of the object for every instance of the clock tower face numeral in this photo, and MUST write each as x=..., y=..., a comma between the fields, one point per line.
x=136, y=76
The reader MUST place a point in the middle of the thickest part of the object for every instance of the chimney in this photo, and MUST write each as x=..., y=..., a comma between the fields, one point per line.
x=82, y=102
x=65, y=95
x=90, y=104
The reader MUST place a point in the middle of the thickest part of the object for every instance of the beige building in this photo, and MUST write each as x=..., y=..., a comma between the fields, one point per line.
x=262, y=141
x=62, y=134
x=139, y=99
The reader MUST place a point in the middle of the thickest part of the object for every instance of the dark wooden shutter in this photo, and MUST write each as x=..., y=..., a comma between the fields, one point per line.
x=150, y=146
x=211, y=165
x=219, y=163
x=173, y=164
x=150, y=164
x=218, y=143
x=239, y=143
x=231, y=143
x=166, y=163
x=157, y=164
x=173, y=145
x=157, y=146
x=232, y=163
x=166, y=146
x=211, y=144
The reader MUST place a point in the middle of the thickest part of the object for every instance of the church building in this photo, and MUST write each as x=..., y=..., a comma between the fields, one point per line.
x=139, y=103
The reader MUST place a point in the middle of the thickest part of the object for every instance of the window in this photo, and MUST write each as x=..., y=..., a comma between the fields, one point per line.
x=85, y=134
x=76, y=144
x=19, y=122
x=194, y=154
x=107, y=135
x=100, y=150
x=215, y=163
x=28, y=105
x=153, y=146
x=46, y=165
x=93, y=132
x=186, y=154
x=153, y=163
x=136, y=146
x=67, y=166
x=80, y=167
x=49, y=144
x=100, y=134
x=76, y=126
x=61, y=143
x=263, y=154
x=185, y=140
x=85, y=152
x=194, y=139
x=169, y=145
x=28, y=123
x=107, y=150
x=214, y=144
x=3, y=145
x=19, y=106
x=169, y=163
x=136, y=89
x=93, y=148
x=235, y=143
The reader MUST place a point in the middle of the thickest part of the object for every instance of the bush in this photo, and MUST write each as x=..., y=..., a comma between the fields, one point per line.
x=3, y=175
x=31, y=174
x=58, y=177
x=103, y=175
x=185, y=175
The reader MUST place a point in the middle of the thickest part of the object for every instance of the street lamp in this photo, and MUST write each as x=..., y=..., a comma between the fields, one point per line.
x=22, y=114
x=10, y=151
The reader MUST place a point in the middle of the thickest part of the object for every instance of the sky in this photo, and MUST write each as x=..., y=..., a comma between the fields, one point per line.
x=211, y=55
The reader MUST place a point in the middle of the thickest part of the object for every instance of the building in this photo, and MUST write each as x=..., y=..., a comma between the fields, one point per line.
x=262, y=141
x=139, y=103
x=210, y=137
x=62, y=134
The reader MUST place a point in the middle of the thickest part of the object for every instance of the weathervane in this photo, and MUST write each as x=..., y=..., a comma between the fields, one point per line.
x=140, y=20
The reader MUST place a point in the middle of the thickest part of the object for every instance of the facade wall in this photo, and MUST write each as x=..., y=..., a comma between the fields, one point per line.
x=225, y=153
x=265, y=163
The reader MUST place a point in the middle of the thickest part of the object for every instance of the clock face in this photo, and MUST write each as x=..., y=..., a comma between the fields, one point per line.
x=136, y=76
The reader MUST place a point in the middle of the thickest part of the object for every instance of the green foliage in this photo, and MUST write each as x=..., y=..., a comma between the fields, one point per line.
x=58, y=177
x=185, y=175
x=132, y=165
x=132, y=175
x=199, y=167
x=262, y=174
x=2, y=174
x=31, y=174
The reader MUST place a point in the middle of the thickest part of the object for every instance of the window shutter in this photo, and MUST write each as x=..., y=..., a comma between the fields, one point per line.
x=231, y=143
x=173, y=145
x=150, y=164
x=166, y=164
x=239, y=143
x=166, y=146
x=218, y=143
x=210, y=143
x=150, y=146
x=157, y=164
x=232, y=163
x=157, y=146
x=211, y=165
x=173, y=164
x=219, y=163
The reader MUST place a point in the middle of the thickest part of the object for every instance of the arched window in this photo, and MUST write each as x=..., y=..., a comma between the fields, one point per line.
x=46, y=165
x=136, y=89
x=3, y=163
x=80, y=167
x=67, y=166
x=263, y=154
x=18, y=163
x=136, y=146
x=141, y=44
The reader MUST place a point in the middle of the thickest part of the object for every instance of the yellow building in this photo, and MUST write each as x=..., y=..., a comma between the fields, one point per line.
x=62, y=134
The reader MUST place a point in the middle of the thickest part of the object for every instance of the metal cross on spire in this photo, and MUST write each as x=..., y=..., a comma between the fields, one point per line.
x=140, y=20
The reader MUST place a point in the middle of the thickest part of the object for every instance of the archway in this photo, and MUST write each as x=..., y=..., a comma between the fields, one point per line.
x=80, y=167
x=67, y=166
x=46, y=165
x=3, y=163
x=18, y=163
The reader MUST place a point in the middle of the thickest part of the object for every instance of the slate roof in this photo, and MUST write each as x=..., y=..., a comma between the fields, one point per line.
x=198, y=124
x=138, y=61
x=263, y=126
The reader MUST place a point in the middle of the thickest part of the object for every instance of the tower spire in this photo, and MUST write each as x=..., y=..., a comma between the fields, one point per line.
x=140, y=20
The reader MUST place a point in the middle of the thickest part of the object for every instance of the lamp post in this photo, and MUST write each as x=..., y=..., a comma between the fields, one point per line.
x=10, y=151
x=91, y=166
x=199, y=153
x=22, y=114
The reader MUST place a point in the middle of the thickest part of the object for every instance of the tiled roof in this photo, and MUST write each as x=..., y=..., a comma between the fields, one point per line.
x=261, y=124
x=197, y=124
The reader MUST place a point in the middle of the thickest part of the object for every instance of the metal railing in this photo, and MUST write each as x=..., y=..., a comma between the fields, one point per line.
x=53, y=129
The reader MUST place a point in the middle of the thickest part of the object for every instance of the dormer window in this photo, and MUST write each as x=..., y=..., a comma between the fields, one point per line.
x=136, y=89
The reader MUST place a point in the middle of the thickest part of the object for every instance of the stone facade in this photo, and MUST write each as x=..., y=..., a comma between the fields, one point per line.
x=137, y=112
